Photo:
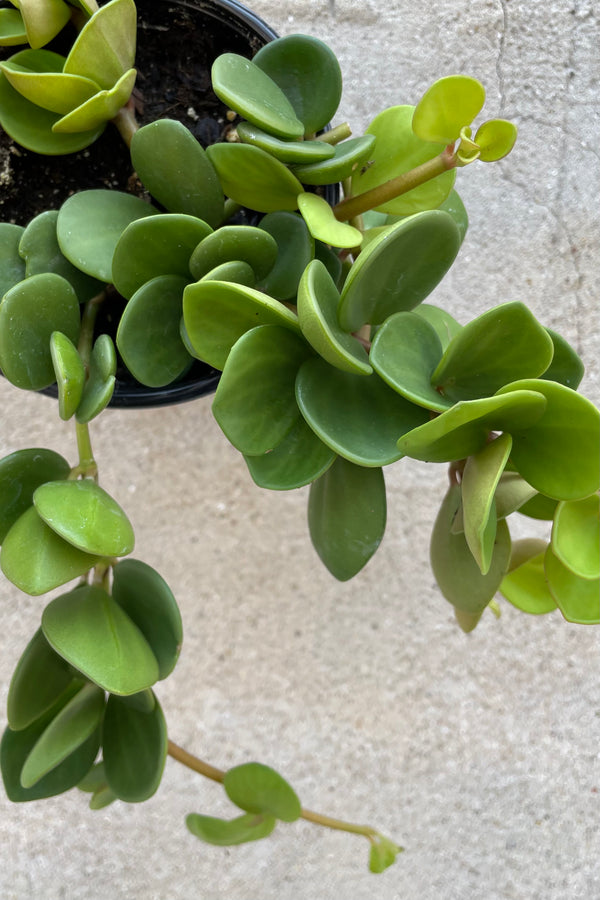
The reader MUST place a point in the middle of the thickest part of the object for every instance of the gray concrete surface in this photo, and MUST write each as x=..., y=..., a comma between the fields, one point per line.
x=478, y=753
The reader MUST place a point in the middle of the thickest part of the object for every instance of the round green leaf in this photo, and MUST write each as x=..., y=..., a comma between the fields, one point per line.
x=348, y=156
x=90, y=224
x=577, y=598
x=576, y=536
x=495, y=139
x=244, y=243
x=148, y=601
x=446, y=327
x=91, y=631
x=289, y=152
x=480, y=479
x=358, y=416
x=176, y=170
x=399, y=269
x=20, y=474
x=29, y=313
x=446, y=107
x=299, y=459
x=236, y=271
x=524, y=585
x=134, y=749
x=295, y=249
x=40, y=678
x=228, y=833
x=309, y=75
x=566, y=366
x=253, y=178
x=318, y=301
x=148, y=335
x=105, y=47
x=347, y=516
x=240, y=84
x=559, y=455
x=69, y=372
x=324, y=226
x=258, y=789
x=100, y=108
x=12, y=267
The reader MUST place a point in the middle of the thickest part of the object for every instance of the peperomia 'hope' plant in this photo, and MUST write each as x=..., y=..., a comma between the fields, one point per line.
x=333, y=367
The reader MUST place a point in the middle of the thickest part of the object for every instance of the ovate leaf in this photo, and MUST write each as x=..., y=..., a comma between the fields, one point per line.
x=134, y=748
x=525, y=585
x=105, y=47
x=41, y=676
x=324, y=226
x=253, y=178
x=448, y=105
x=576, y=536
x=577, y=598
x=227, y=833
x=258, y=789
x=480, y=479
x=298, y=459
x=21, y=473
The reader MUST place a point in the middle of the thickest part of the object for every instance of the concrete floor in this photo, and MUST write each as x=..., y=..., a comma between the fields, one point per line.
x=478, y=753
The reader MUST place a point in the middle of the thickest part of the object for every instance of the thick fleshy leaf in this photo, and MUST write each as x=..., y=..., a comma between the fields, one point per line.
x=539, y=507
x=29, y=313
x=494, y=349
x=240, y=84
x=254, y=402
x=464, y=428
x=512, y=492
x=295, y=249
x=478, y=486
x=105, y=47
x=43, y=19
x=323, y=225
x=95, y=783
x=234, y=242
x=176, y=170
x=308, y=73
x=148, y=601
x=347, y=159
x=559, y=455
x=12, y=267
x=358, y=416
x=69, y=372
x=217, y=314
x=300, y=458
x=100, y=384
x=331, y=261
x=576, y=536
x=37, y=560
x=82, y=513
x=383, y=854
x=258, y=789
x=41, y=252
x=134, y=748
x=397, y=150
x=100, y=108
x=346, y=516
x=405, y=351
x=318, y=301
x=148, y=336
x=495, y=139
x=399, y=269
x=446, y=107
x=88, y=628
x=566, y=367
x=289, y=152
x=40, y=678
x=55, y=91
x=454, y=205
x=446, y=327
x=76, y=722
x=21, y=473
x=577, y=598
x=454, y=567
x=253, y=178
x=12, y=28
x=153, y=246
x=236, y=271
x=90, y=224
x=228, y=833
x=524, y=585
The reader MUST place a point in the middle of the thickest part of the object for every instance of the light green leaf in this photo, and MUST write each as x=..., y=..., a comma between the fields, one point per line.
x=227, y=833
x=576, y=536
x=524, y=585
x=43, y=19
x=53, y=90
x=324, y=226
x=480, y=479
x=69, y=372
x=296, y=461
x=253, y=178
x=382, y=854
x=39, y=680
x=577, y=598
x=495, y=139
x=134, y=748
x=446, y=107
x=289, y=152
x=100, y=108
x=21, y=473
x=12, y=28
x=258, y=789
x=347, y=159
x=105, y=47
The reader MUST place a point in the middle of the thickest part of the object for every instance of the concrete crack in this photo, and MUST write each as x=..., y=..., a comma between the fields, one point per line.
x=501, y=51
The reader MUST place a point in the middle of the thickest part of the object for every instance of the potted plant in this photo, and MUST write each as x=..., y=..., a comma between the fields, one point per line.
x=334, y=367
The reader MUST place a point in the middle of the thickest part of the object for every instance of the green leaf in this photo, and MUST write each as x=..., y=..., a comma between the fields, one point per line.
x=69, y=372
x=576, y=536
x=12, y=267
x=236, y=271
x=148, y=601
x=512, y=492
x=105, y=47
x=464, y=428
x=235, y=242
x=446, y=107
x=539, y=507
x=296, y=461
x=258, y=789
x=37, y=560
x=454, y=205
x=90, y=224
x=494, y=349
x=524, y=585
x=318, y=301
x=99, y=387
x=254, y=402
x=82, y=513
x=348, y=157
x=43, y=19
x=176, y=170
x=289, y=152
x=347, y=516
x=399, y=269
x=405, y=351
x=397, y=151
x=309, y=75
x=227, y=833
x=454, y=567
x=53, y=90
x=244, y=87
x=217, y=314
x=88, y=628
x=295, y=249
x=382, y=854
x=480, y=479
x=21, y=473
x=253, y=178
x=100, y=108
x=134, y=747
x=40, y=678
x=358, y=416
x=148, y=336
x=495, y=139
x=566, y=366
x=12, y=28
x=324, y=226
x=577, y=598
x=558, y=455
x=94, y=779
x=76, y=722
x=29, y=313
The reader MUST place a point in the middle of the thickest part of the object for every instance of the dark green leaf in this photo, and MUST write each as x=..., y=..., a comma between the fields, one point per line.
x=12, y=267
x=299, y=459
x=253, y=178
x=69, y=372
x=288, y=152
x=445, y=325
x=348, y=157
x=41, y=676
x=480, y=479
x=566, y=366
x=21, y=473
x=258, y=789
x=235, y=242
x=99, y=387
x=295, y=249
x=134, y=747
